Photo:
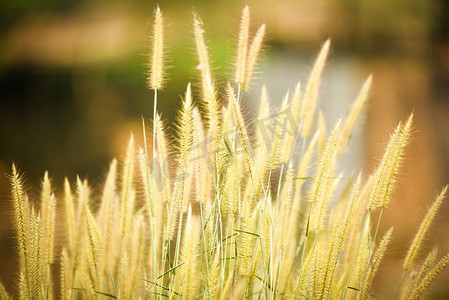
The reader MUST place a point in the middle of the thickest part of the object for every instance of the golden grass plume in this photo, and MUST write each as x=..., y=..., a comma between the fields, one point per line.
x=257, y=213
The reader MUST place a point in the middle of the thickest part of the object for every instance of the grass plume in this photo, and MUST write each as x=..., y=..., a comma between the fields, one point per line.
x=417, y=242
x=156, y=75
x=259, y=213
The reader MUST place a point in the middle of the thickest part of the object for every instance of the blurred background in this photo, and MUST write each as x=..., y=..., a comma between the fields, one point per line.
x=72, y=88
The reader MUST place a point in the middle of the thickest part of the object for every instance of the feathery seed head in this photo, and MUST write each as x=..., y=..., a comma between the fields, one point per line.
x=242, y=47
x=428, y=262
x=127, y=186
x=413, y=251
x=322, y=128
x=188, y=277
x=188, y=98
x=203, y=58
x=240, y=124
x=69, y=207
x=157, y=73
x=46, y=188
x=185, y=128
x=266, y=238
x=262, y=138
x=213, y=280
x=374, y=266
x=311, y=94
x=349, y=218
x=48, y=211
x=386, y=173
x=285, y=207
x=209, y=96
x=253, y=54
x=280, y=134
x=357, y=108
x=295, y=110
x=66, y=276
x=421, y=287
x=21, y=216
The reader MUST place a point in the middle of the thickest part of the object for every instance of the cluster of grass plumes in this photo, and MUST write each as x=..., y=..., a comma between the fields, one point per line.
x=229, y=209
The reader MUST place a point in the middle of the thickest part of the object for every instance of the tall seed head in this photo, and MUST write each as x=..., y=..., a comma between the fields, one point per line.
x=203, y=59
x=188, y=272
x=374, y=266
x=212, y=106
x=266, y=237
x=69, y=208
x=66, y=276
x=426, y=265
x=127, y=186
x=423, y=229
x=48, y=212
x=262, y=137
x=427, y=280
x=185, y=128
x=386, y=173
x=354, y=114
x=242, y=47
x=253, y=54
x=156, y=73
x=311, y=94
x=279, y=135
x=21, y=215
